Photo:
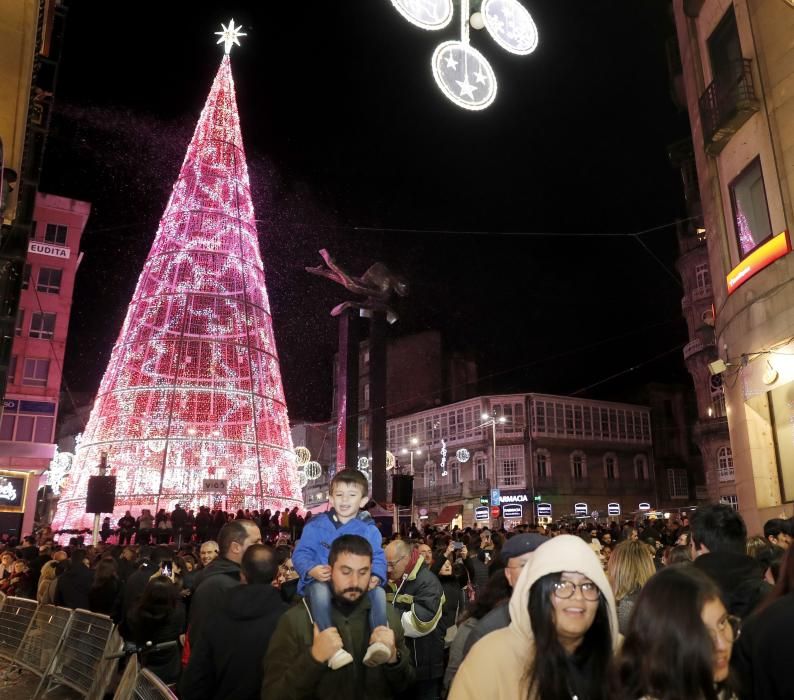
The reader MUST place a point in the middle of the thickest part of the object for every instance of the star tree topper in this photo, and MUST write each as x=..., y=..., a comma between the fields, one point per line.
x=230, y=35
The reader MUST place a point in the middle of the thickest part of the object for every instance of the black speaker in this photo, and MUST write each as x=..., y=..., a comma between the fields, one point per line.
x=402, y=489
x=101, y=495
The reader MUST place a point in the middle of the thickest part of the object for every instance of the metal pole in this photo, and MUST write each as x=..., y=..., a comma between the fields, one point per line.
x=495, y=470
x=103, y=463
x=412, y=491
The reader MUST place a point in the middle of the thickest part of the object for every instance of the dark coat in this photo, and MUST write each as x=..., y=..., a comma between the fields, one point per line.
x=165, y=663
x=291, y=673
x=493, y=620
x=73, y=587
x=211, y=586
x=106, y=599
x=761, y=656
x=740, y=578
x=132, y=592
x=419, y=598
x=226, y=662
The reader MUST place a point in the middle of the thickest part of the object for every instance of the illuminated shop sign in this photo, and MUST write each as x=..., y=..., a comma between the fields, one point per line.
x=760, y=258
x=12, y=491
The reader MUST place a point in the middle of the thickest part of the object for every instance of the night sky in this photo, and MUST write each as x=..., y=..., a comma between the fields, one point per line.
x=352, y=147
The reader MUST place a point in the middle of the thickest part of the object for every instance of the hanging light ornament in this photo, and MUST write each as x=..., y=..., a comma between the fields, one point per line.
x=302, y=456
x=313, y=470
x=461, y=72
x=363, y=464
x=302, y=478
x=463, y=455
x=390, y=460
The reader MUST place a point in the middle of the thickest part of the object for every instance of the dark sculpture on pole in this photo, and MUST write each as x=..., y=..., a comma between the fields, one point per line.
x=378, y=286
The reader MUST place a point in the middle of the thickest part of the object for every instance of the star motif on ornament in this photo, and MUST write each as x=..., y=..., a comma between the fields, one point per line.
x=451, y=62
x=230, y=35
x=480, y=77
x=466, y=88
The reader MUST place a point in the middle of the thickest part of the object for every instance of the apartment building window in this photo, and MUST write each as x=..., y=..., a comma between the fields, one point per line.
x=702, y=276
x=430, y=473
x=12, y=369
x=725, y=50
x=717, y=396
x=454, y=471
x=510, y=465
x=49, y=280
x=641, y=468
x=677, y=483
x=26, y=276
x=363, y=429
x=610, y=466
x=480, y=466
x=731, y=500
x=578, y=465
x=26, y=427
x=35, y=371
x=542, y=463
x=750, y=210
x=725, y=464
x=42, y=324
x=20, y=321
x=55, y=233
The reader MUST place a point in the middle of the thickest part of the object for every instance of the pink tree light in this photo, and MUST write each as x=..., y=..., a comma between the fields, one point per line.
x=193, y=388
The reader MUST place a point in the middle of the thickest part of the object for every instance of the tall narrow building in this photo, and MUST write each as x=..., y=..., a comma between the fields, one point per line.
x=193, y=391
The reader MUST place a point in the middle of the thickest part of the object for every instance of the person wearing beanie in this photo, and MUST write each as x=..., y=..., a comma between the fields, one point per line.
x=516, y=553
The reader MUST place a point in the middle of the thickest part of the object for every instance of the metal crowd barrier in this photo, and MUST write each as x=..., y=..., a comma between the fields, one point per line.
x=150, y=687
x=40, y=646
x=16, y=616
x=81, y=663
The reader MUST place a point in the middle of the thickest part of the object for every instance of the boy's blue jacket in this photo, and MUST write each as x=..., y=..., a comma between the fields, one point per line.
x=315, y=543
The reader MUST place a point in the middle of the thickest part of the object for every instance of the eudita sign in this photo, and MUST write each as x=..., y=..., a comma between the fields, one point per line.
x=760, y=258
x=54, y=251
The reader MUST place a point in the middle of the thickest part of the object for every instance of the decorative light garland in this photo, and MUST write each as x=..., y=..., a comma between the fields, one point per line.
x=461, y=72
x=302, y=456
x=443, y=457
x=313, y=470
x=390, y=460
x=193, y=388
x=363, y=464
x=463, y=455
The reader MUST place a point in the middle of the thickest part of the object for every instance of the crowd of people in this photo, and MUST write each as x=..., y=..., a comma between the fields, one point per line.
x=266, y=606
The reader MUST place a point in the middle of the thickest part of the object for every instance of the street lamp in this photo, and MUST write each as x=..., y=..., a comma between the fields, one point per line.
x=492, y=421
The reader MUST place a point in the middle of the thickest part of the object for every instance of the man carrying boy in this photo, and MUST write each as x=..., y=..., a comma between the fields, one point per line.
x=348, y=495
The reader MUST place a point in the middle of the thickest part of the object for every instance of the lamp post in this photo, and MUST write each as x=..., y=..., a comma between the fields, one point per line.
x=492, y=420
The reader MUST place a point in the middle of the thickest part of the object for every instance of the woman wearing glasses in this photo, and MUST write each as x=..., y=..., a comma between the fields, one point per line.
x=562, y=634
x=679, y=641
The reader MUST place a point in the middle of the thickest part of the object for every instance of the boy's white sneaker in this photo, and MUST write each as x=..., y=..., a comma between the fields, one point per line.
x=340, y=659
x=377, y=653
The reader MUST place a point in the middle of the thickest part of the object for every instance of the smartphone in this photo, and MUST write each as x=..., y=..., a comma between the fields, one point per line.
x=166, y=566
x=457, y=545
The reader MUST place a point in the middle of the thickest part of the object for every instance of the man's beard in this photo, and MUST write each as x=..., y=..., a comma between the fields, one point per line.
x=344, y=604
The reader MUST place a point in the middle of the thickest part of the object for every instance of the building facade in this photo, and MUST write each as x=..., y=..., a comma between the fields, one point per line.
x=549, y=457
x=30, y=405
x=737, y=68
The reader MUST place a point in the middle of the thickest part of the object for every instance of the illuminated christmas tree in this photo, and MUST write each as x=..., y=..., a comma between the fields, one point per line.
x=193, y=388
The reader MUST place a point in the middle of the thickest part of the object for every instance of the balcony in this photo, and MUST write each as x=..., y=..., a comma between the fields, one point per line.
x=702, y=292
x=692, y=348
x=728, y=102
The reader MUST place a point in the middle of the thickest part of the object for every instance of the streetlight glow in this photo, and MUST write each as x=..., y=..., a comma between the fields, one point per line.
x=414, y=441
x=485, y=416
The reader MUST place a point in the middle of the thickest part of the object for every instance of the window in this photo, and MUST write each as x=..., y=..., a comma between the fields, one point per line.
x=20, y=321
x=480, y=467
x=702, y=276
x=365, y=402
x=24, y=429
x=363, y=429
x=7, y=426
x=55, y=233
x=717, y=390
x=35, y=371
x=677, y=483
x=510, y=465
x=42, y=324
x=610, y=466
x=725, y=50
x=750, y=211
x=641, y=468
x=731, y=500
x=578, y=465
x=49, y=280
x=430, y=470
x=26, y=276
x=725, y=464
x=43, y=430
x=12, y=369
x=454, y=471
x=542, y=463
